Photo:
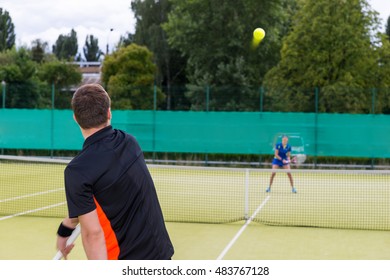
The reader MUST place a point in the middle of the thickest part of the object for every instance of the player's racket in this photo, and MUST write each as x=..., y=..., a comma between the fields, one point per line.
x=72, y=238
x=298, y=159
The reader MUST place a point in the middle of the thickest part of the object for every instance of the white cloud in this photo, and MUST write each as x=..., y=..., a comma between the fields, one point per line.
x=47, y=19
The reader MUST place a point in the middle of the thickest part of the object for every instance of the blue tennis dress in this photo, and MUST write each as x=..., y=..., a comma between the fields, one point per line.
x=283, y=151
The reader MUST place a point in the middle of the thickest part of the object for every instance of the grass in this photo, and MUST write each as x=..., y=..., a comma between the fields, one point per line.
x=339, y=215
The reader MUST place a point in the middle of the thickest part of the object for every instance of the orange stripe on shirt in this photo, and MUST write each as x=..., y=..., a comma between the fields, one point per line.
x=109, y=234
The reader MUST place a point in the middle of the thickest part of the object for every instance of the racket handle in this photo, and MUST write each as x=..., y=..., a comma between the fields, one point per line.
x=72, y=238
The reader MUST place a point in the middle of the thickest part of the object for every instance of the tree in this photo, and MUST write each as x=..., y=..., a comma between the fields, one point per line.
x=66, y=46
x=18, y=71
x=215, y=36
x=126, y=40
x=128, y=74
x=388, y=28
x=38, y=50
x=91, y=49
x=150, y=15
x=63, y=75
x=7, y=33
x=382, y=94
x=329, y=47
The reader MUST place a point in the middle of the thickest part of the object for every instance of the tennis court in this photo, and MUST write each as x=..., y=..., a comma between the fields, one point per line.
x=216, y=213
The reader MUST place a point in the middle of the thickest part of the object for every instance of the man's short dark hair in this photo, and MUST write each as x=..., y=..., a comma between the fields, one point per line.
x=90, y=104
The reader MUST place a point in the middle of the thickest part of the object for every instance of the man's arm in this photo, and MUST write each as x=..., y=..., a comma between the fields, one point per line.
x=69, y=223
x=93, y=236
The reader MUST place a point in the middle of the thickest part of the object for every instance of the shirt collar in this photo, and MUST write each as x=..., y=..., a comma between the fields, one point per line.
x=98, y=135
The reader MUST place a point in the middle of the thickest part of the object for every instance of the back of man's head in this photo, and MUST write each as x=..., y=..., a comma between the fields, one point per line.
x=91, y=105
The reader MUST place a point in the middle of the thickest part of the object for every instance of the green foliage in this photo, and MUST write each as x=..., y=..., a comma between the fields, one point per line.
x=60, y=73
x=7, y=33
x=38, y=50
x=126, y=40
x=91, y=49
x=128, y=74
x=388, y=28
x=66, y=46
x=216, y=37
x=382, y=100
x=383, y=76
x=18, y=71
x=330, y=46
x=16, y=66
x=150, y=15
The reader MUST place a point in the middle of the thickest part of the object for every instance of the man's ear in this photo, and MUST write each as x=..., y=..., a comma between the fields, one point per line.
x=74, y=117
x=109, y=115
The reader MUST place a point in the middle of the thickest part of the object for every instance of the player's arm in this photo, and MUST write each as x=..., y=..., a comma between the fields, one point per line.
x=93, y=236
x=64, y=231
x=276, y=155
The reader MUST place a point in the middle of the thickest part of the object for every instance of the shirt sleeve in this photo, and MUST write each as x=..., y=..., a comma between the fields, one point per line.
x=79, y=194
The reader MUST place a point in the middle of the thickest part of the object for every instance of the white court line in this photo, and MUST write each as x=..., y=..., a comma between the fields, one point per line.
x=30, y=195
x=231, y=243
x=32, y=211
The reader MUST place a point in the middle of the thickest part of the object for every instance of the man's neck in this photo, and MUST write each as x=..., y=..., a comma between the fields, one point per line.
x=89, y=131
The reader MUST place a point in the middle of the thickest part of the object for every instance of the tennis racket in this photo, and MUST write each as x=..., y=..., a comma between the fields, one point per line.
x=72, y=238
x=298, y=159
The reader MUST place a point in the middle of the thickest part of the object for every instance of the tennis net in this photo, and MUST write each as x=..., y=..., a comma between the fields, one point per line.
x=348, y=199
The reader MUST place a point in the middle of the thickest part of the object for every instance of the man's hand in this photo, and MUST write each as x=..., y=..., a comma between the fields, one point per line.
x=61, y=245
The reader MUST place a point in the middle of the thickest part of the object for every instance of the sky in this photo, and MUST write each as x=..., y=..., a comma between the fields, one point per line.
x=47, y=19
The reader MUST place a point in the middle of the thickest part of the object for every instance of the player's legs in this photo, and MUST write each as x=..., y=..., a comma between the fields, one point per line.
x=287, y=166
x=271, y=180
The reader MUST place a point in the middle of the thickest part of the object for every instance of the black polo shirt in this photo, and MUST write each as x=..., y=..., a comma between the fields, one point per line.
x=110, y=175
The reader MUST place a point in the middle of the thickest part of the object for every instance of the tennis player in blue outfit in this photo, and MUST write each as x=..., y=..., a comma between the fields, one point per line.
x=282, y=160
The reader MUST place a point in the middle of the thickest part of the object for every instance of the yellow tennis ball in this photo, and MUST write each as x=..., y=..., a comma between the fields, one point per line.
x=259, y=34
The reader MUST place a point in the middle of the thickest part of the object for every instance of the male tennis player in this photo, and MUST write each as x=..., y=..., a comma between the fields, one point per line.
x=109, y=189
x=282, y=160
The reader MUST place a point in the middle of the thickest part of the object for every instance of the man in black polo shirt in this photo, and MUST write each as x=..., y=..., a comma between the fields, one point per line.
x=109, y=189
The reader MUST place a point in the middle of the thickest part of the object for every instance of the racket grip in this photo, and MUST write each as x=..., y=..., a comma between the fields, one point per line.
x=72, y=238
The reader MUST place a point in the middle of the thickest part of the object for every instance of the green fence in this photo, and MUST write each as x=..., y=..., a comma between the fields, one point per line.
x=227, y=98
x=349, y=135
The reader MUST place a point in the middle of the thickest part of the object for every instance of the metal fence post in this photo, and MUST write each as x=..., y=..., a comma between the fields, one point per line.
x=52, y=120
x=261, y=98
x=3, y=85
x=207, y=97
x=154, y=121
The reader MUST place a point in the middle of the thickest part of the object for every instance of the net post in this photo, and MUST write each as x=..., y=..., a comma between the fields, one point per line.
x=246, y=204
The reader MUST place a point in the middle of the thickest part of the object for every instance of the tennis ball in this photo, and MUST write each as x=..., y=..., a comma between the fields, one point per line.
x=259, y=34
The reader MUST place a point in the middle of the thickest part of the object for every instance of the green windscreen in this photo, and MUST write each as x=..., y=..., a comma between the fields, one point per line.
x=208, y=132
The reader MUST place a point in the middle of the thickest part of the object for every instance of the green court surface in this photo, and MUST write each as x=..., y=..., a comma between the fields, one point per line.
x=335, y=214
x=33, y=238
